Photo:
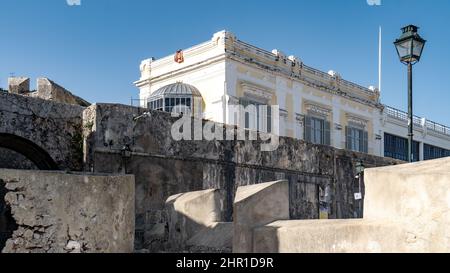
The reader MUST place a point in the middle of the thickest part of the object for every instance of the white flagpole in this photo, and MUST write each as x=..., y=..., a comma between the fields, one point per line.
x=379, y=60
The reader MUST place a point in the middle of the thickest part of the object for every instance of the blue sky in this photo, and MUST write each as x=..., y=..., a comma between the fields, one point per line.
x=95, y=49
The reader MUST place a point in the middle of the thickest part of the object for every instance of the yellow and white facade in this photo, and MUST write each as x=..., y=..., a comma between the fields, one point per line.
x=228, y=71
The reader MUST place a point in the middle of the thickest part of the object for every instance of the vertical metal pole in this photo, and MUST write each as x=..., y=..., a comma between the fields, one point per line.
x=410, y=114
x=361, y=200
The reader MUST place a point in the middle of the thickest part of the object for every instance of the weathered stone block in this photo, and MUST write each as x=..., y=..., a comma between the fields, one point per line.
x=409, y=191
x=49, y=90
x=406, y=210
x=61, y=212
x=194, y=213
x=19, y=85
x=255, y=206
x=328, y=236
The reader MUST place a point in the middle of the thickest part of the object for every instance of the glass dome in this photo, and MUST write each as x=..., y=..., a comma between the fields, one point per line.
x=177, y=97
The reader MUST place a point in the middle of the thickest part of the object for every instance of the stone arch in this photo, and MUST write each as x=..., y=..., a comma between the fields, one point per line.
x=30, y=150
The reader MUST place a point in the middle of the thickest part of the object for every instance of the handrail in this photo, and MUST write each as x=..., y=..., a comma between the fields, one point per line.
x=430, y=125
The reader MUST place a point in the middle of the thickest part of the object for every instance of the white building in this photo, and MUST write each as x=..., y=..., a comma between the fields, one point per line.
x=315, y=106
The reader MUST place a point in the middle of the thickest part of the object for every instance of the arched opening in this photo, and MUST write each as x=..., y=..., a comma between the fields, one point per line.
x=30, y=150
x=7, y=222
x=18, y=151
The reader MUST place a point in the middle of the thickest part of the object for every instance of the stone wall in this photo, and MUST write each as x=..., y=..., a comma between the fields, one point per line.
x=57, y=212
x=19, y=85
x=164, y=167
x=406, y=211
x=54, y=128
x=46, y=89
x=49, y=90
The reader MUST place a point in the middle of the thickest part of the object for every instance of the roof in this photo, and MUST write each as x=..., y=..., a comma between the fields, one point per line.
x=177, y=89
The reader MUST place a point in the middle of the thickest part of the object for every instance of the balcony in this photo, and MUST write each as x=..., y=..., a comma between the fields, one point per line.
x=429, y=125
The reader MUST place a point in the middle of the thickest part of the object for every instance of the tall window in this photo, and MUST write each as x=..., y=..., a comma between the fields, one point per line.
x=260, y=119
x=357, y=139
x=397, y=147
x=317, y=130
x=157, y=105
x=433, y=152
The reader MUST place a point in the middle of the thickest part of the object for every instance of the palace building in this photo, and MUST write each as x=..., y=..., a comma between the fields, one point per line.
x=315, y=106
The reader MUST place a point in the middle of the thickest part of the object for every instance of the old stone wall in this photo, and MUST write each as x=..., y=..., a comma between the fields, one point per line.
x=119, y=139
x=49, y=90
x=54, y=129
x=46, y=89
x=57, y=212
x=19, y=85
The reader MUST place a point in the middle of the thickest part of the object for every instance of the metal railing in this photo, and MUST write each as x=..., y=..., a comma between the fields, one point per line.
x=430, y=125
x=138, y=102
x=438, y=127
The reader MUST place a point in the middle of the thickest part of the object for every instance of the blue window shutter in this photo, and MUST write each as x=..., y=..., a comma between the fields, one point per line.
x=327, y=133
x=365, y=142
x=348, y=139
x=308, y=128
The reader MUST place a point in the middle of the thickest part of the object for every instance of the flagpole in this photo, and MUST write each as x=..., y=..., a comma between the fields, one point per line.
x=379, y=59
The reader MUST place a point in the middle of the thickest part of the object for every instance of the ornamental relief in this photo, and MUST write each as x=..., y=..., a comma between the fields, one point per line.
x=317, y=110
x=253, y=90
x=357, y=121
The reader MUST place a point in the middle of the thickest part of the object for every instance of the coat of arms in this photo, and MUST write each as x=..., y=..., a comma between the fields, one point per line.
x=179, y=58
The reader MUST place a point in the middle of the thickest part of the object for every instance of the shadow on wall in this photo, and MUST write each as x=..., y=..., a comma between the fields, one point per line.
x=35, y=154
x=7, y=223
x=196, y=224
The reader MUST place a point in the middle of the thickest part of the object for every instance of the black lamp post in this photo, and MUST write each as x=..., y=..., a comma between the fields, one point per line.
x=409, y=48
x=359, y=195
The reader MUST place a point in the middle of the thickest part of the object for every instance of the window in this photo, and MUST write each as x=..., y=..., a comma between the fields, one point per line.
x=397, y=147
x=260, y=119
x=433, y=152
x=181, y=104
x=156, y=105
x=317, y=130
x=357, y=139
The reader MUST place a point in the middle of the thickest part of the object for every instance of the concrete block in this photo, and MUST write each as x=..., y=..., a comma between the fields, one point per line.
x=330, y=236
x=407, y=209
x=409, y=191
x=190, y=213
x=255, y=206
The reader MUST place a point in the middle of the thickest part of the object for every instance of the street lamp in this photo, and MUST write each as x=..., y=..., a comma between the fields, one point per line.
x=409, y=48
x=359, y=195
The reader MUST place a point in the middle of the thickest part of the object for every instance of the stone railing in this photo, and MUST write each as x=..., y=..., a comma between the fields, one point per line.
x=343, y=82
x=325, y=76
x=256, y=50
x=429, y=125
